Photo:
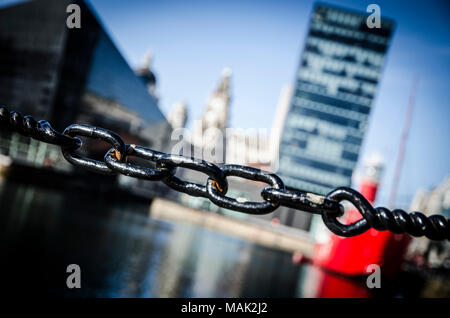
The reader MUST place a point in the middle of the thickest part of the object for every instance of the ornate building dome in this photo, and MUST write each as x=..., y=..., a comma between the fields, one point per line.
x=146, y=74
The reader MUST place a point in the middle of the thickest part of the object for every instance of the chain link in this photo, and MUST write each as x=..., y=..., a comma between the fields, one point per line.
x=249, y=173
x=435, y=227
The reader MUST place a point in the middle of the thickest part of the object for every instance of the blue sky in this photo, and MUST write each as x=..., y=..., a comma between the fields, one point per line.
x=262, y=40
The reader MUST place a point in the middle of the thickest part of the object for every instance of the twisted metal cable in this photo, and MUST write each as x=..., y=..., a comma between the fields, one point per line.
x=435, y=227
x=40, y=130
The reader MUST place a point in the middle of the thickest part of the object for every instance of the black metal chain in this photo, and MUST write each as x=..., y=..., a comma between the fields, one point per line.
x=435, y=227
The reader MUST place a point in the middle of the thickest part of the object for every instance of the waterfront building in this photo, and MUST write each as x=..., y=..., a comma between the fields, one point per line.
x=178, y=115
x=333, y=93
x=433, y=201
x=67, y=75
x=145, y=73
x=210, y=130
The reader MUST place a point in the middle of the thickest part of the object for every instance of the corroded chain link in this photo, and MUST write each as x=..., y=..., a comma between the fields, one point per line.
x=435, y=227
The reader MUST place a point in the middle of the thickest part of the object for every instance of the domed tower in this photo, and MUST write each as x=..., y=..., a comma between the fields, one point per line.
x=215, y=118
x=216, y=113
x=178, y=115
x=146, y=74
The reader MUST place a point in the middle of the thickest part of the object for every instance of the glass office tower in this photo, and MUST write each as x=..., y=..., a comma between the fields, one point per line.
x=333, y=93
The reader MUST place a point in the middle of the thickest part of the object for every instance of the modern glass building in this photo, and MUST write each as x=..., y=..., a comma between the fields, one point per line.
x=67, y=75
x=333, y=93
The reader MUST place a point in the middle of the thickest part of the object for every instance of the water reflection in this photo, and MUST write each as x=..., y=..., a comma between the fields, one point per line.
x=124, y=253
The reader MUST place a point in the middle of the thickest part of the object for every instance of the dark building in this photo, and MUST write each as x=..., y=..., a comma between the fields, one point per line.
x=67, y=75
x=333, y=93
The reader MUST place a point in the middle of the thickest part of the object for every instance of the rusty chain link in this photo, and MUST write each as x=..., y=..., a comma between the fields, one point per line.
x=435, y=227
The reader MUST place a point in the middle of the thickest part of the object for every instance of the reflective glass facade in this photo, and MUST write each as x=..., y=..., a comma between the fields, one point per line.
x=71, y=75
x=335, y=86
